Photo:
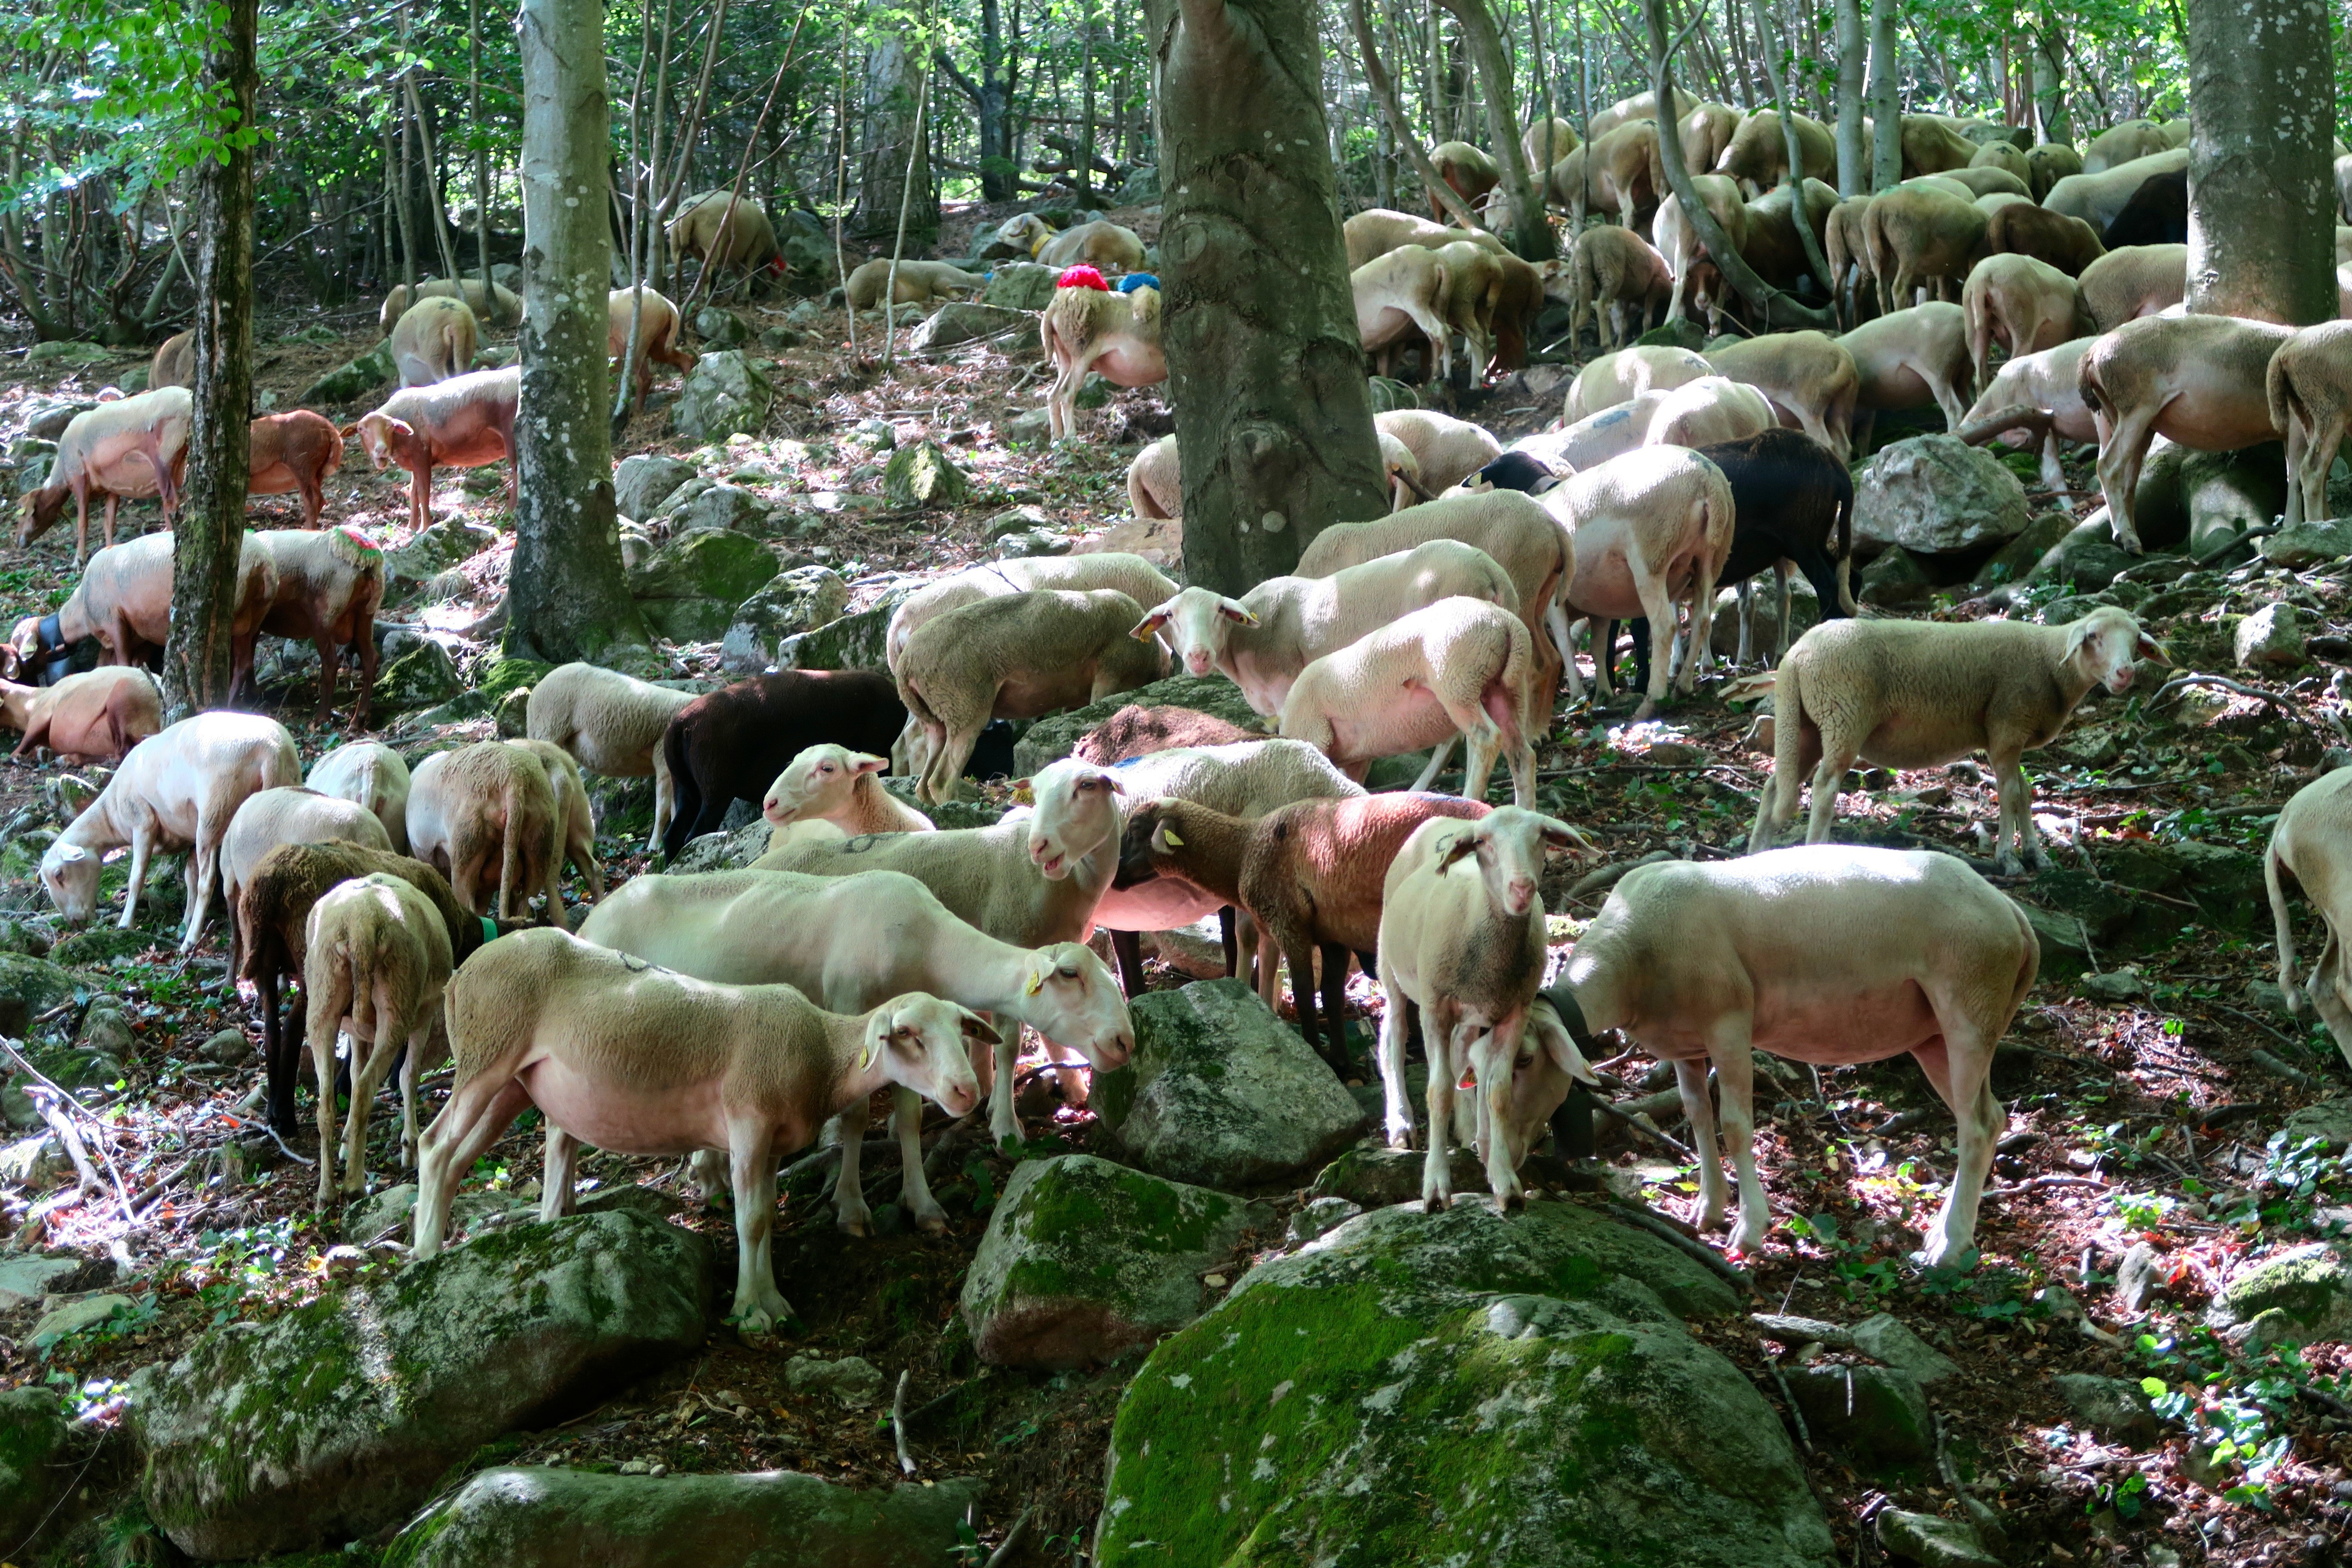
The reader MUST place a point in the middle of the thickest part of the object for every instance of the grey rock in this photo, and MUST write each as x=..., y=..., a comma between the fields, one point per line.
x=26, y=1278
x=30, y=987
x=851, y=642
x=727, y=508
x=2291, y=1297
x=105, y=1028
x=1050, y=739
x=2270, y=636
x=923, y=475
x=1140, y=188
x=1019, y=286
x=48, y=424
x=2303, y=544
x=1898, y=578
x=1936, y=495
x=678, y=500
x=1021, y=545
x=435, y=549
x=2086, y=557
x=340, y=1417
x=1085, y=1261
x=2113, y=1407
x=720, y=329
x=67, y=351
x=1018, y=519
x=1319, y=1216
x=1221, y=1092
x=961, y=321
x=1933, y=1541
x=2015, y=560
x=810, y=256
x=1878, y=1414
x=690, y=589
x=103, y=944
x=2225, y=493
x=1030, y=429
x=2329, y=1120
x=424, y=677
x=1883, y=1337
x=792, y=603
x=1373, y=1175
x=2136, y=1277
x=779, y=338
x=529, y=1517
x=2268, y=997
x=71, y=1314
x=349, y=383
x=35, y=1163
x=229, y=1048
x=2114, y=985
x=726, y=394
x=33, y=1465
x=644, y=481
x=856, y=1382
x=380, y=1214
x=733, y=851
x=1804, y=614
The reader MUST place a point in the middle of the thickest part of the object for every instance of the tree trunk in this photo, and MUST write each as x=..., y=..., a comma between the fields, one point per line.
x=1886, y=99
x=566, y=598
x=1530, y=236
x=2051, y=121
x=2262, y=194
x=1852, y=148
x=1265, y=368
x=481, y=145
x=208, y=533
x=894, y=80
x=999, y=175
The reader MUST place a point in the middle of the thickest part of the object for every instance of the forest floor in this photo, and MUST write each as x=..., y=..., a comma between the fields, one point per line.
x=2145, y=1097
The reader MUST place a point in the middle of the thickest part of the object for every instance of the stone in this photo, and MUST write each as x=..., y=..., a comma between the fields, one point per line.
x=1052, y=739
x=2225, y=493
x=76, y=1068
x=67, y=351
x=2114, y=985
x=2291, y=1297
x=642, y=482
x=2273, y=636
x=26, y=1278
x=2329, y=1120
x=812, y=261
x=1887, y=1337
x=2302, y=544
x=1932, y=1540
x=103, y=944
x=1019, y=286
x=423, y=677
x=48, y=424
x=1319, y=1216
x=1017, y=520
x=350, y=382
x=71, y=1314
x=2086, y=557
x=1876, y=1412
x=31, y=986
x=1140, y=188
x=15, y=936
x=1086, y=1261
x=777, y=339
x=851, y=642
x=378, y=1213
x=35, y=1468
x=923, y=475
x=1683, y=333
x=2136, y=1276
x=725, y=393
x=720, y=329
x=527, y=1516
x=1531, y=1370
x=794, y=602
x=227, y=1047
x=1896, y=579
x=963, y=321
x=1222, y=1093
x=435, y=549
x=1389, y=395
x=1936, y=495
x=512, y=716
x=1030, y=429
x=1373, y=1175
x=690, y=589
x=339, y=1418
x=1030, y=542
x=856, y=1382
x=723, y=509
x=1804, y=614
x=732, y=850
x=2115, y=1408
x=2015, y=560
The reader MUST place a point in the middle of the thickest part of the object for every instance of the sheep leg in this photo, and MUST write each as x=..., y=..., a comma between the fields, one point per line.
x=2325, y=993
x=751, y=1161
x=1748, y=618
x=2052, y=475
x=481, y=1109
x=1128, y=946
x=1335, y=1006
x=1700, y=651
x=1690, y=1078
x=1436, y=764
x=1960, y=1067
x=1658, y=605
x=1780, y=578
x=1232, y=946
x=665, y=801
x=1828, y=774
x=915, y=1186
x=2274, y=882
x=1391, y=1064
x=2319, y=454
x=1556, y=623
x=428, y=1047
x=849, y=1211
x=2016, y=816
x=1003, y=1121
x=555, y=1172
x=322, y=1049
x=143, y=846
x=1492, y=1056
x=1735, y=1075
x=1437, y=1167
x=2120, y=457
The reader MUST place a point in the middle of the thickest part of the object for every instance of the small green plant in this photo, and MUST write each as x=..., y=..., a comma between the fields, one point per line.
x=2126, y=1498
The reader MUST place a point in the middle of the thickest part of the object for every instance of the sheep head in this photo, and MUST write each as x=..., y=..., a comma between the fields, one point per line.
x=1545, y=1061
x=2104, y=644
x=39, y=512
x=1508, y=844
x=1073, y=999
x=924, y=1044
x=1077, y=814
x=1196, y=620
x=70, y=874
x=381, y=436
x=817, y=783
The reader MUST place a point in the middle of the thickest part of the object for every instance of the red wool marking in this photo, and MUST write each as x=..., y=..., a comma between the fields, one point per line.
x=1082, y=277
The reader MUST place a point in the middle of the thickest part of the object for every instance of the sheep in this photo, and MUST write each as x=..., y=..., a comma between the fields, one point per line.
x=721, y=229
x=372, y=774
x=1155, y=481
x=2024, y=305
x=1824, y=955
x=657, y=334
x=1678, y=245
x=1921, y=238
x=1138, y=731
x=122, y=451
x=613, y=723
x=729, y=744
x=2200, y=381
x=1908, y=358
x=294, y=453
x=835, y=785
x=1086, y=327
x=1845, y=246
x=95, y=716
x=176, y=789
x=433, y=340
x=1758, y=153
x=484, y=808
x=1617, y=270
x=1107, y=246
x=1547, y=141
x=1033, y=882
x=288, y=814
x=272, y=915
x=1773, y=248
x=1309, y=874
x=574, y=812
x=1464, y=946
x=642, y=1060
x=1020, y=655
x=2309, y=393
x=1458, y=667
x=917, y=283
x=2027, y=229
x=1473, y=291
x=1469, y=170
x=1643, y=527
x=1405, y=290
x=329, y=587
x=2050, y=381
x=1446, y=450
x=1376, y=231
x=2003, y=155
x=1704, y=132
x=2098, y=196
x=845, y=941
x=2138, y=280
x=2122, y=142
x=1620, y=377
x=1712, y=408
x=1519, y=305
x=124, y=600
x=1918, y=694
x=1639, y=106
x=2306, y=852
x=501, y=307
x=1809, y=377
x=174, y=363
x=2046, y=163
x=461, y=422
x=377, y=962
x=2158, y=214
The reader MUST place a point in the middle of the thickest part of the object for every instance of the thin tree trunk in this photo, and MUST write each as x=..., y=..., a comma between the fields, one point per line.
x=905, y=205
x=1265, y=367
x=208, y=533
x=1784, y=100
x=2262, y=195
x=1853, y=62
x=566, y=597
x=1086, y=159
x=425, y=160
x=395, y=165
x=1886, y=99
x=1530, y=234
x=1385, y=92
x=481, y=145
x=2052, y=122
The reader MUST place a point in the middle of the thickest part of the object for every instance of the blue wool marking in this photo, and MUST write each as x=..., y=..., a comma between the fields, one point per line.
x=1134, y=281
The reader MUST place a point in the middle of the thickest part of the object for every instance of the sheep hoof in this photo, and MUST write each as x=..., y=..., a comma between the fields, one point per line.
x=854, y=1224
x=932, y=1220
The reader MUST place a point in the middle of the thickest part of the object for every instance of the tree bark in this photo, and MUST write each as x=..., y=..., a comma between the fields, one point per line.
x=1853, y=149
x=1265, y=364
x=1530, y=236
x=1393, y=110
x=893, y=150
x=566, y=596
x=2050, y=121
x=208, y=533
x=2262, y=194
x=1886, y=99
x=1784, y=101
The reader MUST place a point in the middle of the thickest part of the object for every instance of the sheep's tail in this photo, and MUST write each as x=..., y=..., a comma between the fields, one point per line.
x=355, y=973
x=1845, y=544
x=2275, y=883
x=2284, y=406
x=686, y=793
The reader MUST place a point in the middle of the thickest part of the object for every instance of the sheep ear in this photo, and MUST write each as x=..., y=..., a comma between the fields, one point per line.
x=1036, y=979
x=1235, y=610
x=1457, y=846
x=866, y=763
x=1164, y=838
x=976, y=1028
x=1150, y=626
x=2077, y=635
x=1559, y=835
x=877, y=1029
x=2149, y=647
x=1116, y=787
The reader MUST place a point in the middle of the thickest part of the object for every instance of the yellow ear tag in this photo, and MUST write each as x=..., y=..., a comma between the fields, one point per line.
x=1036, y=982
x=865, y=1056
x=1173, y=841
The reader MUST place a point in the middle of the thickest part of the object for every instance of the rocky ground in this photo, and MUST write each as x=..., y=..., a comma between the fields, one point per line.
x=2146, y=1366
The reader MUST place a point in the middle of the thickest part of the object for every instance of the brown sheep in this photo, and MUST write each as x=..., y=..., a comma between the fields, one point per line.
x=1846, y=246
x=2048, y=163
x=1919, y=237
x=2309, y=389
x=1617, y=280
x=484, y=815
x=657, y=331
x=1622, y=172
x=2025, y=229
x=1809, y=376
x=1138, y=731
x=1678, y=246
x=1469, y=170
x=1758, y=153
x=295, y=452
x=1931, y=146
x=96, y=716
x=2024, y=305
x=174, y=363
x=720, y=231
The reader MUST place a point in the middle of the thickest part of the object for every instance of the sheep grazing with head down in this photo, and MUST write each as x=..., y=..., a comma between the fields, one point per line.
x=372, y=774
x=1086, y=327
x=378, y=959
x=612, y=724
x=484, y=816
x=1917, y=694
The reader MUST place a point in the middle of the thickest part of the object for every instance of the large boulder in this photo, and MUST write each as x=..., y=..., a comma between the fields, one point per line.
x=720, y=329
x=727, y=393
x=1051, y=739
x=423, y=677
x=1086, y=1260
x=794, y=602
x=1222, y=1093
x=809, y=252
x=2273, y=636
x=33, y=1436
x=30, y=987
x=923, y=475
x=2291, y=1297
x=724, y=508
x=690, y=587
x=960, y=321
x=538, y=1517
x=1463, y=1386
x=851, y=642
x=1935, y=495
x=2020, y=555
x=1019, y=286
x=2312, y=543
x=2086, y=556
x=350, y=382
x=338, y=1418
x=644, y=481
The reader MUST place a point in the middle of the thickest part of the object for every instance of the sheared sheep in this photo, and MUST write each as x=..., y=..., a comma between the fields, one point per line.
x=288, y=814
x=330, y=586
x=502, y=306
x=461, y=422
x=2309, y=390
x=729, y=744
x=484, y=816
x=657, y=334
x=1620, y=377
x=433, y=340
x=918, y=283
x=95, y=716
x=2307, y=851
x=370, y=774
x=843, y=788
x=575, y=813
x=2051, y=380
x=1809, y=377
x=123, y=450
x=1086, y=327
x=1907, y=358
x=2138, y=281
x=613, y=723
x=378, y=960
x=2023, y=304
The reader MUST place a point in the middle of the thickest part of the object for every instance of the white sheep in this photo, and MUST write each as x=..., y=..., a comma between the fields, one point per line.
x=1464, y=945
x=1459, y=667
x=1448, y=450
x=176, y=790
x=843, y=789
x=642, y=1060
x=847, y=942
x=574, y=813
x=369, y=774
x=2307, y=850
x=1262, y=640
x=1155, y=481
x=484, y=816
x=1917, y=694
x=613, y=723
x=289, y=814
x=376, y=960
x=1828, y=954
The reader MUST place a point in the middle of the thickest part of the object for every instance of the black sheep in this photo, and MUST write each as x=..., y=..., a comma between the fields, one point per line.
x=2158, y=214
x=730, y=745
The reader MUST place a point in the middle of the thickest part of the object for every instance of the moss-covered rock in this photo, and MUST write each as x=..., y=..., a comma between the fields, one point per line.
x=1019, y=286
x=1876, y=1414
x=791, y=603
x=29, y=988
x=642, y=481
x=32, y=1441
x=851, y=642
x=102, y=944
x=350, y=382
x=1050, y=739
x=1457, y=1387
x=526, y=1517
x=689, y=589
x=727, y=393
x=422, y=676
x=2291, y=1297
x=339, y=1418
x=924, y=474
x=1222, y=1093
x=1086, y=1260
x=435, y=549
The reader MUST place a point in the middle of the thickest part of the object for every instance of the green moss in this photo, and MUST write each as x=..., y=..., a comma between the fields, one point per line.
x=497, y=676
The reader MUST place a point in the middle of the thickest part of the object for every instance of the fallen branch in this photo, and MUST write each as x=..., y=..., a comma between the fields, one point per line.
x=2225, y=683
x=1658, y=1225
x=2001, y=421
x=2208, y=556
x=2294, y=1076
